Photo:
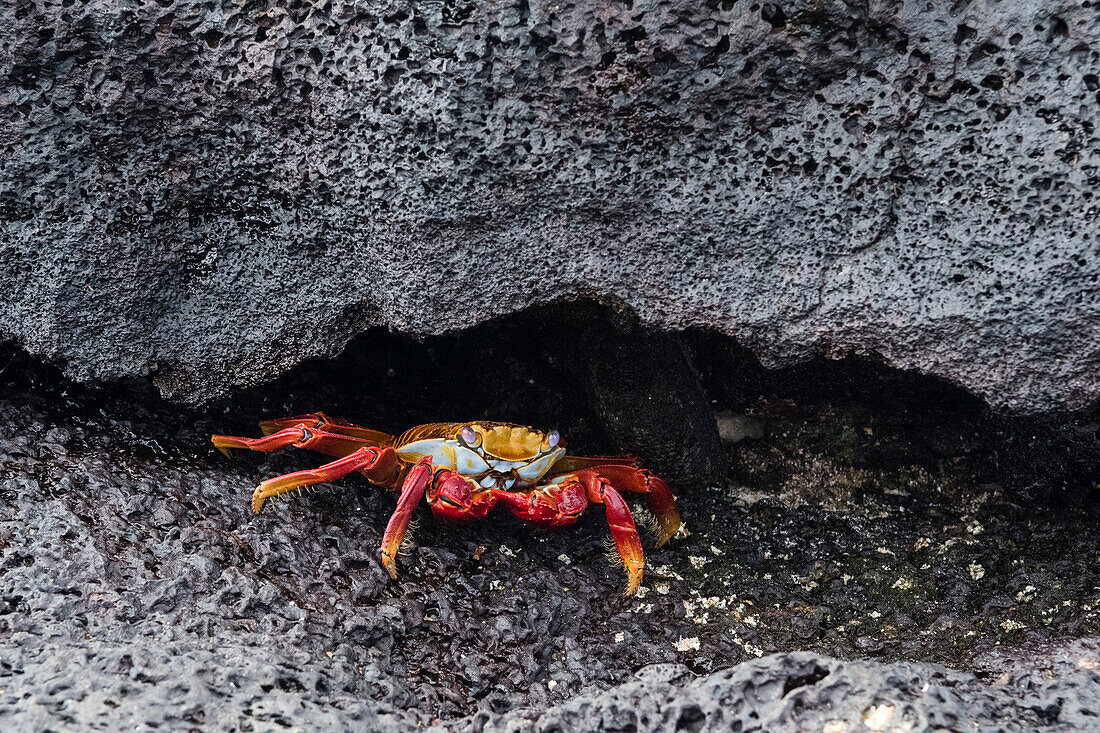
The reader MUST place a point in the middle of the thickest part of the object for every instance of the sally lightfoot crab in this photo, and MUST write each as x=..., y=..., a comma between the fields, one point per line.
x=464, y=470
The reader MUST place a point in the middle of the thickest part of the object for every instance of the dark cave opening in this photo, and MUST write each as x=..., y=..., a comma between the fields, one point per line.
x=609, y=385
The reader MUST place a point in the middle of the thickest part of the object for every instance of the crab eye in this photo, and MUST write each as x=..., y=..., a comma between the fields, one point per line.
x=553, y=438
x=468, y=436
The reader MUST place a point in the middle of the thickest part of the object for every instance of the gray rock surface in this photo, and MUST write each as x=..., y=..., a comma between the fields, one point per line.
x=210, y=193
x=1049, y=689
x=137, y=590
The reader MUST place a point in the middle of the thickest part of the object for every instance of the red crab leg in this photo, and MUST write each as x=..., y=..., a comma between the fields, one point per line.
x=332, y=425
x=658, y=497
x=299, y=436
x=561, y=503
x=417, y=480
x=379, y=465
x=572, y=464
x=267, y=444
x=623, y=531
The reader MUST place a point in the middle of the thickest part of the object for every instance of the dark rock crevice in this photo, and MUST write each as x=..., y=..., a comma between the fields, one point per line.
x=610, y=385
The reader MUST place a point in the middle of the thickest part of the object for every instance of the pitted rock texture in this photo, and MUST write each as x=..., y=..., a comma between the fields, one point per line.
x=138, y=591
x=210, y=193
x=808, y=692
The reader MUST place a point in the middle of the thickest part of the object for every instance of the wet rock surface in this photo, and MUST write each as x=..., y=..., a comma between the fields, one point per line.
x=211, y=193
x=137, y=589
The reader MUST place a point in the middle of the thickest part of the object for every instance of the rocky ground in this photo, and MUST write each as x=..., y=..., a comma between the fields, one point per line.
x=603, y=218
x=137, y=590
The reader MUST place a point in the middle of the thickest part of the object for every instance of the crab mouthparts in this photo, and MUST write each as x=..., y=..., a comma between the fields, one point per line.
x=498, y=480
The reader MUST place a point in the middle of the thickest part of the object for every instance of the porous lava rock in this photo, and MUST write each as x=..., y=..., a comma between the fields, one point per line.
x=212, y=192
x=802, y=691
x=137, y=590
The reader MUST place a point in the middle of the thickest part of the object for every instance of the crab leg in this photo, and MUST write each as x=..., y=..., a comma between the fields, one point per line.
x=329, y=440
x=417, y=480
x=268, y=444
x=623, y=531
x=331, y=425
x=379, y=465
x=658, y=497
x=561, y=503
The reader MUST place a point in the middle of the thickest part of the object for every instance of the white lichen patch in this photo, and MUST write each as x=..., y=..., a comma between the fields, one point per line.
x=1026, y=594
x=977, y=572
x=641, y=592
x=803, y=581
x=749, y=648
x=565, y=559
x=903, y=583
x=698, y=562
x=681, y=532
x=716, y=551
x=1091, y=663
x=496, y=585
x=689, y=644
x=1010, y=625
x=922, y=543
x=667, y=572
x=620, y=637
x=975, y=528
x=834, y=726
x=507, y=551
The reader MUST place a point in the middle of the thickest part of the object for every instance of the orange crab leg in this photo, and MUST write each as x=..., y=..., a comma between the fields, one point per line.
x=572, y=464
x=658, y=497
x=417, y=480
x=380, y=465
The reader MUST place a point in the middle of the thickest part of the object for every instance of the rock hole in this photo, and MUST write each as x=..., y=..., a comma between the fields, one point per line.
x=812, y=678
x=774, y=15
x=964, y=33
x=691, y=719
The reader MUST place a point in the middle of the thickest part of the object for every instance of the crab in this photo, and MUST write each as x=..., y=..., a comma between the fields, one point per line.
x=465, y=469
